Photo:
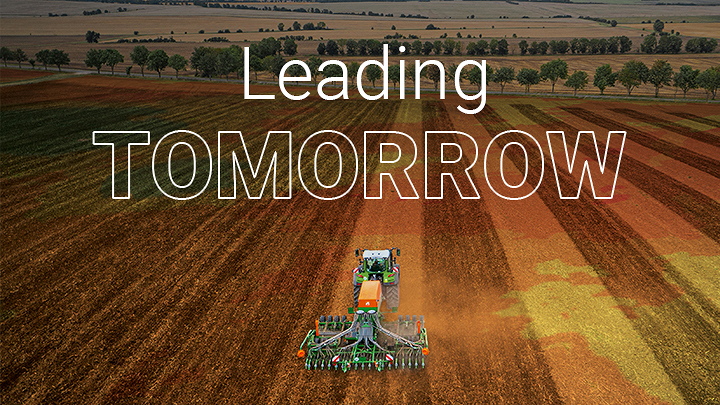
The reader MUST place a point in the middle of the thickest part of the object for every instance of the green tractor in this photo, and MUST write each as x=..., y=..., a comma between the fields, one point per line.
x=368, y=340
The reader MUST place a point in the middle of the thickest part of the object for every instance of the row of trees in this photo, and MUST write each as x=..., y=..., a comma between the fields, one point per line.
x=633, y=74
x=45, y=57
x=217, y=62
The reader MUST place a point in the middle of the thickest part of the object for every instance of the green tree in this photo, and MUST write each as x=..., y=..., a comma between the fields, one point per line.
x=296, y=26
x=351, y=47
x=394, y=74
x=434, y=74
x=554, y=70
x=577, y=81
x=427, y=48
x=228, y=61
x=112, y=58
x=475, y=77
x=503, y=76
x=658, y=26
x=6, y=54
x=633, y=74
x=321, y=48
x=139, y=56
x=314, y=64
x=372, y=73
x=416, y=47
x=437, y=47
x=523, y=47
x=604, y=77
x=158, y=61
x=649, y=44
x=709, y=80
x=660, y=74
x=281, y=27
x=95, y=58
x=290, y=47
x=59, y=58
x=686, y=78
x=43, y=57
x=20, y=56
x=256, y=65
x=92, y=37
x=177, y=62
x=32, y=63
x=353, y=69
x=332, y=48
x=528, y=77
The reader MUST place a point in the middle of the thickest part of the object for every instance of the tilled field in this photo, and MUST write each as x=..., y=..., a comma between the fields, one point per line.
x=541, y=300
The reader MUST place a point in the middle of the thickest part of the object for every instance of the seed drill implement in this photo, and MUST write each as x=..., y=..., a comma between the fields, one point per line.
x=367, y=339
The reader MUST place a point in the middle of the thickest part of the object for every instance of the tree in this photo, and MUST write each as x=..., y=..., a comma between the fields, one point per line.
x=660, y=74
x=633, y=74
x=290, y=47
x=372, y=73
x=158, y=61
x=701, y=45
x=437, y=47
x=554, y=70
x=523, y=47
x=6, y=54
x=658, y=26
x=281, y=27
x=177, y=62
x=503, y=76
x=274, y=64
x=686, y=78
x=709, y=80
x=257, y=65
x=59, y=58
x=577, y=81
x=43, y=57
x=314, y=64
x=296, y=26
x=394, y=74
x=321, y=48
x=112, y=58
x=649, y=44
x=416, y=47
x=139, y=56
x=332, y=48
x=95, y=58
x=92, y=37
x=434, y=74
x=502, y=47
x=228, y=61
x=427, y=48
x=20, y=56
x=669, y=44
x=528, y=77
x=353, y=69
x=474, y=76
x=604, y=77
x=351, y=47
x=32, y=63
x=448, y=46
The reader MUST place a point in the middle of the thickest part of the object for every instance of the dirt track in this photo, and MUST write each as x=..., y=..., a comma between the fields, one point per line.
x=535, y=301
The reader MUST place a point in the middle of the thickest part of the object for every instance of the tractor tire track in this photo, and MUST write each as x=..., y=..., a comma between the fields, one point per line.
x=690, y=158
x=623, y=259
x=692, y=133
x=463, y=250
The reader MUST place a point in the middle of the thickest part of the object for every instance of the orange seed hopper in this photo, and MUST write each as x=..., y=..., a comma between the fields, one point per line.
x=370, y=295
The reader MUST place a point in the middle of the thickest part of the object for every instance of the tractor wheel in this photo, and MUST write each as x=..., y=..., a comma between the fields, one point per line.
x=356, y=294
x=392, y=296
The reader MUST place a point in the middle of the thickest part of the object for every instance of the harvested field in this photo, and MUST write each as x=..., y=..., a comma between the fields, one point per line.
x=536, y=301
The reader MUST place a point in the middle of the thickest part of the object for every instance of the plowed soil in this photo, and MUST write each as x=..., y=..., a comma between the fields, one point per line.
x=536, y=301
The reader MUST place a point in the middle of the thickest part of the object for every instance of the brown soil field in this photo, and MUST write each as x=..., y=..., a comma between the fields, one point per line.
x=535, y=301
x=14, y=75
